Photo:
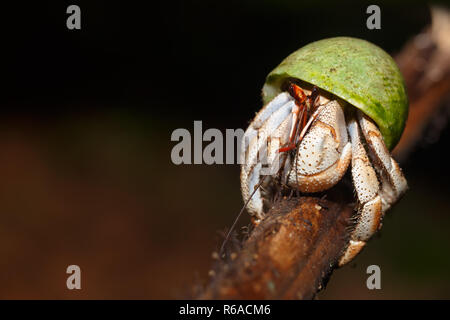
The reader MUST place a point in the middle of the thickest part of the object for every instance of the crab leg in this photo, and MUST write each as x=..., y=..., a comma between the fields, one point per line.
x=324, y=152
x=294, y=127
x=393, y=183
x=267, y=129
x=367, y=189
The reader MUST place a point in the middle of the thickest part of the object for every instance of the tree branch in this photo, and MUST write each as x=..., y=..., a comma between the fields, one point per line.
x=288, y=255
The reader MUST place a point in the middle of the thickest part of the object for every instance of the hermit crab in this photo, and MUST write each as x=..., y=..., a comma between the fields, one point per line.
x=333, y=104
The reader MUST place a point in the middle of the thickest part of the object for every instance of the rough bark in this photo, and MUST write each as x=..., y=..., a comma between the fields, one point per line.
x=288, y=255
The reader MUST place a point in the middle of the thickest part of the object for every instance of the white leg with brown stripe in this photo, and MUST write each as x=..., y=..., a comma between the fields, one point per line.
x=265, y=135
x=375, y=193
x=324, y=153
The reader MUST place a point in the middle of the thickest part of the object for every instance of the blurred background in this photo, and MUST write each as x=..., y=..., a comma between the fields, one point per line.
x=85, y=127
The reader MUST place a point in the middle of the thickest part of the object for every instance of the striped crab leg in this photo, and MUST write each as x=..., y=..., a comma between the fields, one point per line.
x=374, y=197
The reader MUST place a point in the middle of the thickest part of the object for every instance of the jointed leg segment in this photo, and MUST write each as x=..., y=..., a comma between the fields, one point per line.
x=374, y=197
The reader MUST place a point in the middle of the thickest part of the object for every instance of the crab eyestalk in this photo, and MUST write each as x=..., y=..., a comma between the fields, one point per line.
x=315, y=150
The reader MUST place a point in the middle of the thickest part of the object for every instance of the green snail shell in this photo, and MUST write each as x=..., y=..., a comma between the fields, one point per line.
x=354, y=70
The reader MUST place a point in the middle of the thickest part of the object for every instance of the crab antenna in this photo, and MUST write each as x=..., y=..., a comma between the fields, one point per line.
x=239, y=215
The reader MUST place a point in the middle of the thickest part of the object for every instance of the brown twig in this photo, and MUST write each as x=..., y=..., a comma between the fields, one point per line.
x=425, y=65
x=288, y=255
x=292, y=252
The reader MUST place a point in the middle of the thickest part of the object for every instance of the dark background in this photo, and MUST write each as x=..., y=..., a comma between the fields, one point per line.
x=85, y=129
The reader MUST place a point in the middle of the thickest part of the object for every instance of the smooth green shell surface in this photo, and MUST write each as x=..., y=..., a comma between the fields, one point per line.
x=354, y=70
